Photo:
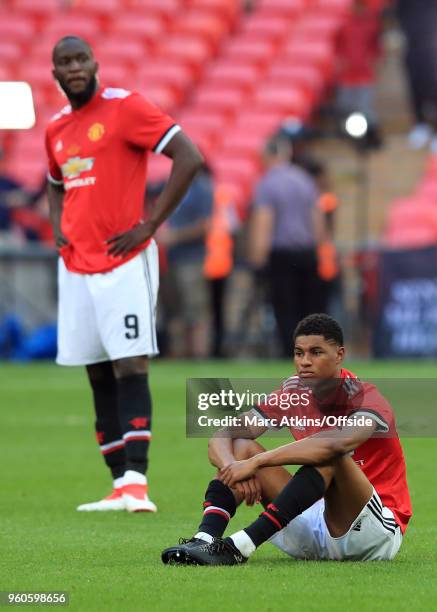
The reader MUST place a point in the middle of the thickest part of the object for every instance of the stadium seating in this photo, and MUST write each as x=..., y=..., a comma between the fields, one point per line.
x=81, y=25
x=10, y=52
x=177, y=75
x=219, y=99
x=209, y=27
x=225, y=73
x=228, y=76
x=135, y=25
x=18, y=29
x=40, y=9
x=123, y=52
x=166, y=9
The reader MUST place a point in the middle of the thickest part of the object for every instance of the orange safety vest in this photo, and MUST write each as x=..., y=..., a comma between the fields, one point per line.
x=219, y=244
x=328, y=267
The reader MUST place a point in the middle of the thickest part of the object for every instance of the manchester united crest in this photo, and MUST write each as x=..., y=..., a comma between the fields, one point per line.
x=96, y=131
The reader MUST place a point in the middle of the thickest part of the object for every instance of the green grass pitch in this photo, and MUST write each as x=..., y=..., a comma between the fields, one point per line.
x=111, y=561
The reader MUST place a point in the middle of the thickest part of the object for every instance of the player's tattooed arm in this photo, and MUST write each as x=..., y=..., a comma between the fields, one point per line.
x=55, y=194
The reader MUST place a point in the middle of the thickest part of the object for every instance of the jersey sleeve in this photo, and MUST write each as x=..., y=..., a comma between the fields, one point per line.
x=373, y=405
x=54, y=174
x=144, y=125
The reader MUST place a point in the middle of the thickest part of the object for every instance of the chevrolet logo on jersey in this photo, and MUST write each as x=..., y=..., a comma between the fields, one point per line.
x=76, y=165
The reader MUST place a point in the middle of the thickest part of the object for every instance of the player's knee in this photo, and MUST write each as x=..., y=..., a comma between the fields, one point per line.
x=244, y=449
x=130, y=366
x=100, y=373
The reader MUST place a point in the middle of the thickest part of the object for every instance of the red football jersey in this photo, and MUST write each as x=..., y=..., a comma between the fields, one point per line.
x=99, y=153
x=380, y=457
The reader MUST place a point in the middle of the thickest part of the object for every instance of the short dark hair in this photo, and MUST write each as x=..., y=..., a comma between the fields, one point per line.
x=320, y=324
x=67, y=38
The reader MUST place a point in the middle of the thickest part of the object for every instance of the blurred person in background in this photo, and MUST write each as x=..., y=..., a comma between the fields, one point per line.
x=219, y=262
x=285, y=230
x=358, y=49
x=188, y=299
x=301, y=138
x=418, y=20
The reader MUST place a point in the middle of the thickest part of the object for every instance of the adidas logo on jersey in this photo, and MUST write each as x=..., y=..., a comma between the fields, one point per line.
x=357, y=526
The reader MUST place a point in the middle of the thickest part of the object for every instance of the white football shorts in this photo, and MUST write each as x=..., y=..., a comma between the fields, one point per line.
x=109, y=316
x=373, y=536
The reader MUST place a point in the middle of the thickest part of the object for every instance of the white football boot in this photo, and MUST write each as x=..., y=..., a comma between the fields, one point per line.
x=112, y=502
x=135, y=491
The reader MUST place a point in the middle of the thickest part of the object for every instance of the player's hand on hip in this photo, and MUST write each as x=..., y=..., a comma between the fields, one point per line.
x=122, y=244
x=237, y=472
x=60, y=239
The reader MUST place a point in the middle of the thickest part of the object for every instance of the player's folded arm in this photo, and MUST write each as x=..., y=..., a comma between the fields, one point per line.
x=220, y=445
x=318, y=449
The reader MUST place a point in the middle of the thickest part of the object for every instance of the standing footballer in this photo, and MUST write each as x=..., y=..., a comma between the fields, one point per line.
x=97, y=149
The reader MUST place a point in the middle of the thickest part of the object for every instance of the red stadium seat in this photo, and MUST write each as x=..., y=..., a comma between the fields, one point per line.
x=128, y=52
x=210, y=124
x=200, y=24
x=235, y=169
x=18, y=29
x=228, y=74
x=97, y=8
x=227, y=9
x=411, y=224
x=242, y=141
x=251, y=50
x=40, y=12
x=267, y=26
x=139, y=25
x=318, y=27
x=340, y=7
x=7, y=73
x=318, y=53
x=164, y=97
x=308, y=77
x=115, y=75
x=28, y=143
x=65, y=24
x=224, y=101
x=263, y=122
x=10, y=52
x=283, y=98
x=37, y=72
x=281, y=8
x=192, y=51
x=177, y=75
x=29, y=172
x=167, y=9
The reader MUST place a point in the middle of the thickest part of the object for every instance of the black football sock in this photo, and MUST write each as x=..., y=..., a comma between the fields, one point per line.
x=219, y=508
x=303, y=490
x=135, y=414
x=108, y=432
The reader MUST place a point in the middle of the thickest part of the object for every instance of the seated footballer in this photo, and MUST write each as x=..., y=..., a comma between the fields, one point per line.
x=348, y=501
